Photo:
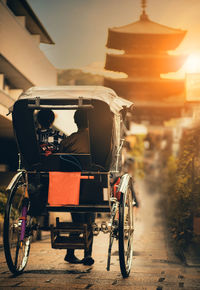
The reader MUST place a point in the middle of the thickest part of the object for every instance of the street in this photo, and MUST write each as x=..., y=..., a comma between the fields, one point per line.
x=154, y=265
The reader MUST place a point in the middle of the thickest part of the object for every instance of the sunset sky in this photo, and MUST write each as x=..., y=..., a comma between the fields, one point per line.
x=79, y=27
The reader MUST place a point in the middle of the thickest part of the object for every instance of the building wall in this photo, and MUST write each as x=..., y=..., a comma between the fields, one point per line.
x=21, y=49
x=22, y=65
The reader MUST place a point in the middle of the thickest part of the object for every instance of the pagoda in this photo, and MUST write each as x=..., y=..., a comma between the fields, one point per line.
x=144, y=47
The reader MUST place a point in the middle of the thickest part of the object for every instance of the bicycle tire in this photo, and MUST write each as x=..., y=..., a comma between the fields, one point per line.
x=16, y=250
x=126, y=229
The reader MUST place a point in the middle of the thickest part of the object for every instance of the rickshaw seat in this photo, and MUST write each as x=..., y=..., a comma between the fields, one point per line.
x=65, y=162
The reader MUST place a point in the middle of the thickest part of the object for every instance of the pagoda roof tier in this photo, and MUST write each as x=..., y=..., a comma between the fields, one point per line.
x=144, y=63
x=144, y=34
x=147, y=90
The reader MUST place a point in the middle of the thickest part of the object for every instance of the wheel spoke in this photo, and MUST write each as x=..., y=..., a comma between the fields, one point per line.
x=17, y=253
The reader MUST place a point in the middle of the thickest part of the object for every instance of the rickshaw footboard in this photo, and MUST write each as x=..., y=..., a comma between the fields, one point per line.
x=68, y=235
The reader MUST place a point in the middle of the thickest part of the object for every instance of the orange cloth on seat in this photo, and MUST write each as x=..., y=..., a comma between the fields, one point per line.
x=64, y=188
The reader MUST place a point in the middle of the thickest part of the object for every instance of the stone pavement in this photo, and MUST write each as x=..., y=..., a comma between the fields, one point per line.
x=154, y=266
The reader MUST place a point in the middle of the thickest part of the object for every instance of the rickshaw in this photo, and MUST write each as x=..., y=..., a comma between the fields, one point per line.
x=94, y=176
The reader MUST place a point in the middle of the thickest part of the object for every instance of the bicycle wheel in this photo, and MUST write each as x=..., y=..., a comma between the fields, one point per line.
x=126, y=229
x=17, y=226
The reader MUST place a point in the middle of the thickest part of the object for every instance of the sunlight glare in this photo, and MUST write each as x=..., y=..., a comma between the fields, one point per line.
x=192, y=65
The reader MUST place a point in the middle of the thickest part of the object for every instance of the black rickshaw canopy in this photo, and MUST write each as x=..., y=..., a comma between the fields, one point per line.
x=100, y=93
x=104, y=107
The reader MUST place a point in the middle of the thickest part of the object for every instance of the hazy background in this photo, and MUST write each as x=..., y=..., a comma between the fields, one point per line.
x=79, y=27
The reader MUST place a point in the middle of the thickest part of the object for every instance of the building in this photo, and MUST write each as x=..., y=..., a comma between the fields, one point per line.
x=144, y=45
x=22, y=65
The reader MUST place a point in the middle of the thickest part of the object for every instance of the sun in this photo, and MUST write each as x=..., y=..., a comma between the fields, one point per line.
x=192, y=65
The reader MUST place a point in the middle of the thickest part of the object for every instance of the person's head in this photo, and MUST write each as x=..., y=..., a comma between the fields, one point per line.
x=45, y=118
x=80, y=118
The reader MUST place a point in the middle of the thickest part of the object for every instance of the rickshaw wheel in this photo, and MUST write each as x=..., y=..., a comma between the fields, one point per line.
x=126, y=230
x=17, y=245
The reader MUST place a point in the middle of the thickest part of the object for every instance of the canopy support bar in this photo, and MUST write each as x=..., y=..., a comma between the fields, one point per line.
x=61, y=107
x=80, y=105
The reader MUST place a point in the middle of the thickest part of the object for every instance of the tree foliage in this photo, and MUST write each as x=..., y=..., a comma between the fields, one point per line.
x=183, y=188
x=78, y=77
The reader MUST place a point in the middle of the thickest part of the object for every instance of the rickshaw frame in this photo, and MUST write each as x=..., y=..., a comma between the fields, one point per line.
x=119, y=202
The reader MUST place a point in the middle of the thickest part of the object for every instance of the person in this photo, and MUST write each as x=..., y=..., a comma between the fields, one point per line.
x=48, y=138
x=78, y=142
x=70, y=257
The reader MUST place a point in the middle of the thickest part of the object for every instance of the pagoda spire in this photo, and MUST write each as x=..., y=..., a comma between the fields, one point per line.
x=143, y=16
x=144, y=5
